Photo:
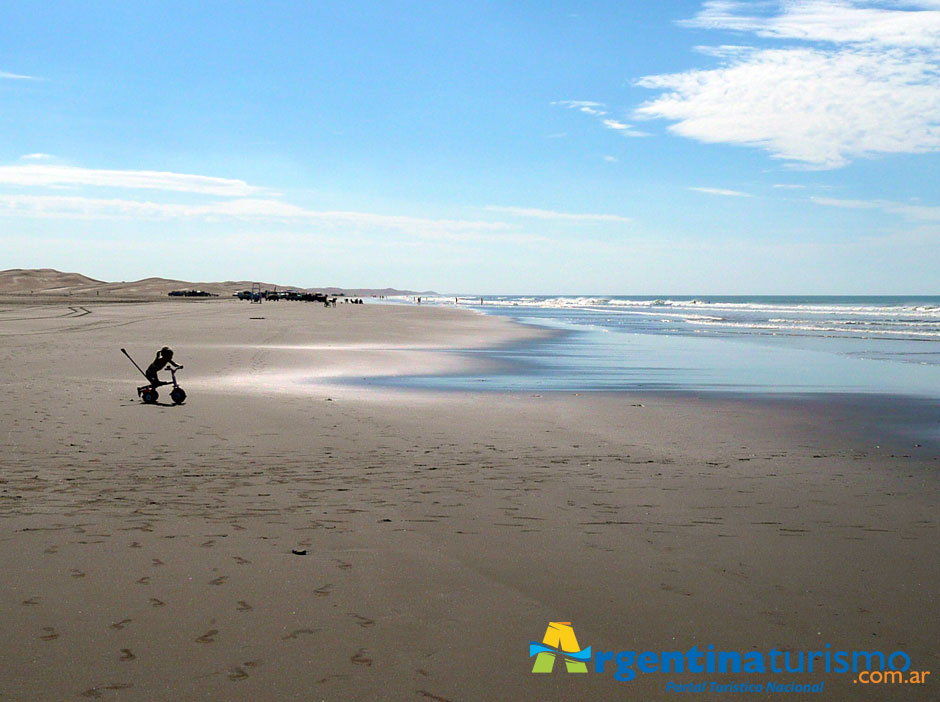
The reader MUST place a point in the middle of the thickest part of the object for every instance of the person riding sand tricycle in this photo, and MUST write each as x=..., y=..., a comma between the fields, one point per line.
x=163, y=359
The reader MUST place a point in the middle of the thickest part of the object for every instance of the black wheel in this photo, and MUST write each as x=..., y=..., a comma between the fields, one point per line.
x=178, y=395
x=149, y=395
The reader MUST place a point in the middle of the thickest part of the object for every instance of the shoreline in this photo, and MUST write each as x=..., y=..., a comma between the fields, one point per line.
x=879, y=422
x=338, y=542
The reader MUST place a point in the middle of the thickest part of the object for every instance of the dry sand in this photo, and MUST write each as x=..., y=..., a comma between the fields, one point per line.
x=147, y=552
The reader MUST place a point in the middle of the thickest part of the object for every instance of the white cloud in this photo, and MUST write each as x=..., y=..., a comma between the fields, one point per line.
x=610, y=159
x=4, y=75
x=77, y=207
x=721, y=191
x=870, y=88
x=242, y=204
x=837, y=21
x=36, y=175
x=595, y=109
x=789, y=186
x=599, y=111
x=920, y=213
x=557, y=216
x=249, y=209
x=623, y=128
x=849, y=204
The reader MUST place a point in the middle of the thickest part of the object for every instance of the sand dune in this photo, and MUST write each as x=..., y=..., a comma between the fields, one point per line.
x=48, y=282
x=19, y=280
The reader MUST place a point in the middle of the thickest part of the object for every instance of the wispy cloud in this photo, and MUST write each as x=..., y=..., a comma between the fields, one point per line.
x=237, y=201
x=36, y=175
x=919, y=213
x=837, y=21
x=721, y=191
x=557, y=216
x=599, y=111
x=849, y=204
x=789, y=186
x=595, y=109
x=79, y=207
x=623, y=128
x=242, y=203
x=868, y=85
x=4, y=75
x=250, y=209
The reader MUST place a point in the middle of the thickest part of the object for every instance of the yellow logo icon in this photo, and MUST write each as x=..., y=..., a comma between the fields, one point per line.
x=559, y=640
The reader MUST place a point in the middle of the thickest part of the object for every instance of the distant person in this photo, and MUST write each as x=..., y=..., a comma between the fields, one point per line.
x=163, y=359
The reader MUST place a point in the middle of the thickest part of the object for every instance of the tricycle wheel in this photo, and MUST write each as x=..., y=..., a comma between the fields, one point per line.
x=178, y=395
x=149, y=395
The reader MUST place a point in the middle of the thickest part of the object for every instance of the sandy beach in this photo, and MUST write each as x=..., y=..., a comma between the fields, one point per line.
x=284, y=536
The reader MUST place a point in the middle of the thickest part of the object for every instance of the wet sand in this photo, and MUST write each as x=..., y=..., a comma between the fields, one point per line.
x=280, y=536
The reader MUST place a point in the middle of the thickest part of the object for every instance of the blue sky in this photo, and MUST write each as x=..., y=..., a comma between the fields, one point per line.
x=604, y=147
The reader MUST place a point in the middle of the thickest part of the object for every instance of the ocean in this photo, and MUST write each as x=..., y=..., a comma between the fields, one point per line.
x=743, y=344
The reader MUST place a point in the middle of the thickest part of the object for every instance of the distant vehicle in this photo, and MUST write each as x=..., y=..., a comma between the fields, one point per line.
x=274, y=295
x=190, y=293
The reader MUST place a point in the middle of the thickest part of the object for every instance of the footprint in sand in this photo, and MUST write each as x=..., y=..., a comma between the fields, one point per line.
x=296, y=633
x=219, y=580
x=208, y=544
x=76, y=573
x=126, y=655
x=360, y=658
x=244, y=606
x=51, y=549
x=427, y=695
x=121, y=624
x=237, y=674
x=241, y=561
x=99, y=691
x=50, y=634
x=154, y=602
x=31, y=601
x=156, y=562
x=135, y=544
x=364, y=622
x=342, y=565
x=323, y=591
x=144, y=580
x=208, y=637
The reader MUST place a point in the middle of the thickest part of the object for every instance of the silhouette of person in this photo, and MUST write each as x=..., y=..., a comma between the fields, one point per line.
x=163, y=359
